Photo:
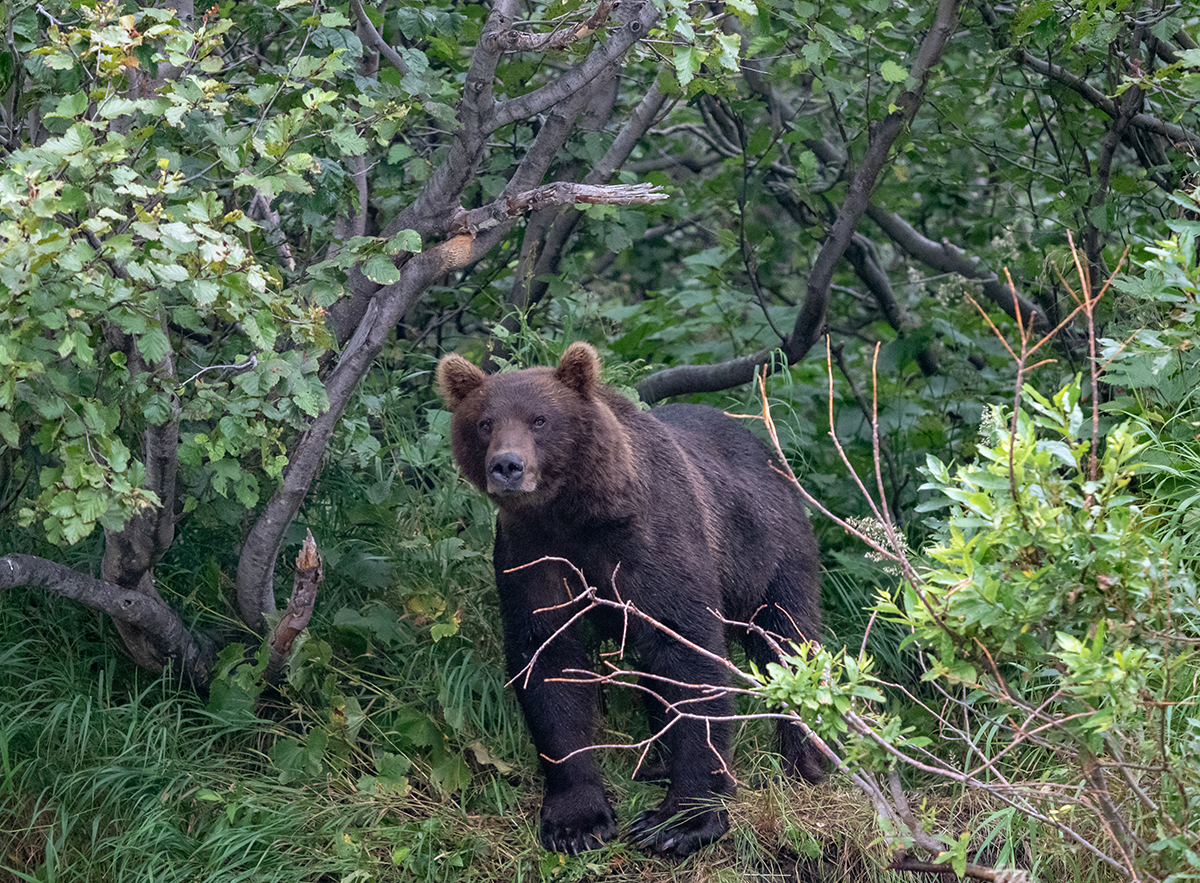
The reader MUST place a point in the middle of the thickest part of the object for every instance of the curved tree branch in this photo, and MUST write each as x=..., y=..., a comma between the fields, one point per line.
x=864, y=257
x=640, y=21
x=131, y=552
x=429, y=214
x=561, y=38
x=256, y=565
x=810, y=321
x=375, y=40
x=1089, y=93
x=432, y=214
x=946, y=257
x=147, y=614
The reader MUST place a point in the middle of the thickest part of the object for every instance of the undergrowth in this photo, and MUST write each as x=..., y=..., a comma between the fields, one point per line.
x=394, y=750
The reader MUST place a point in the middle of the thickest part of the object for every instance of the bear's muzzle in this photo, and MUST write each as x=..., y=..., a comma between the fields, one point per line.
x=506, y=474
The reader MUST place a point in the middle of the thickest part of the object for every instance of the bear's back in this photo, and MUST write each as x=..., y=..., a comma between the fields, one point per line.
x=757, y=516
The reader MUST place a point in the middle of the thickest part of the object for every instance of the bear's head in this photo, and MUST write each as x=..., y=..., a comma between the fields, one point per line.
x=519, y=436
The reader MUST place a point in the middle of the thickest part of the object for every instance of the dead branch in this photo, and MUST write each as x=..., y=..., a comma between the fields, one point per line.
x=560, y=38
x=557, y=193
x=299, y=608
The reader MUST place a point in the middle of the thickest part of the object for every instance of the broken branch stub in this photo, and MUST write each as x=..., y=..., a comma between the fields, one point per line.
x=294, y=620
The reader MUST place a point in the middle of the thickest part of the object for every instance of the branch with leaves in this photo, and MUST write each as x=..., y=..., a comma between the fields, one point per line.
x=437, y=211
x=810, y=319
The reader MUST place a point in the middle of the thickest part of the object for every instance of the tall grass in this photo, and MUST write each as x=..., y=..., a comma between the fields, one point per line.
x=112, y=774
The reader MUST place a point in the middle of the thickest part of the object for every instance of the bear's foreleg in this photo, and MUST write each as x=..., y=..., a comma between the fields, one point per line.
x=576, y=813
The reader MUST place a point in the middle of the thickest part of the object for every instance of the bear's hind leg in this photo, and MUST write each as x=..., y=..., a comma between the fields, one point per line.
x=790, y=614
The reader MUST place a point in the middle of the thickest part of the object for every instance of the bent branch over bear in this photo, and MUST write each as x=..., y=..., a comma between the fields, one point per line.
x=686, y=507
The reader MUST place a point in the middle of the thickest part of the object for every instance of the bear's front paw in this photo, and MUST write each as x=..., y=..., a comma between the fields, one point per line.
x=680, y=827
x=577, y=820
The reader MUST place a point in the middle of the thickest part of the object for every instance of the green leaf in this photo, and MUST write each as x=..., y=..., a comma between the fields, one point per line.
x=405, y=240
x=893, y=72
x=70, y=106
x=9, y=430
x=153, y=345
x=380, y=269
x=687, y=62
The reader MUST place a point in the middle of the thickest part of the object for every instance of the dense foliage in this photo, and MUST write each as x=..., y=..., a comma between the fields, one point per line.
x=234, y=239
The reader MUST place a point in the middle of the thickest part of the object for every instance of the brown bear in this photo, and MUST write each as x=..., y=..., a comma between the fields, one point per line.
x=686, y=507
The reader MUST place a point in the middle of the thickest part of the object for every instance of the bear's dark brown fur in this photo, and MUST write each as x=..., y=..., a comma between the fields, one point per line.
x=687, y=503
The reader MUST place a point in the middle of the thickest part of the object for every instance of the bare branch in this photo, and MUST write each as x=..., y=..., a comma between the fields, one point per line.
x=1176, y=134
x=131, y=552
x=256, y=565
x=375, y=40
x=261, y=211
x=560, y=38
x=945, y=257
x=810, y=321
x=558, y=193
x=609, y=53
x=145, y=614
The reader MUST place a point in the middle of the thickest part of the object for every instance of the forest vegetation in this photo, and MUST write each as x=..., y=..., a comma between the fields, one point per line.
x=946, y=255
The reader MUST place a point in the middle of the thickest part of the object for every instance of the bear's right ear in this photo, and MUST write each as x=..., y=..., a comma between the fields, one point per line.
x=456, y=379
x=579, y=368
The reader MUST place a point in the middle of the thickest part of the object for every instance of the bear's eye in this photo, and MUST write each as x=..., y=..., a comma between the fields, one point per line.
x=485, y=427
x=539, y=422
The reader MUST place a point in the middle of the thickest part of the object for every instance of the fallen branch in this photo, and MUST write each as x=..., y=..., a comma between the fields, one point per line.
x=146, y=613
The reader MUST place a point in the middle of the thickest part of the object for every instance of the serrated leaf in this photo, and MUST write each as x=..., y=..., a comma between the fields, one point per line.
x=685, y=64
x=153, y=345
x=730, y=48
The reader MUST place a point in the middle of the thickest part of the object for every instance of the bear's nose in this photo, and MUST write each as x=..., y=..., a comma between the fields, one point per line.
x=507, y=469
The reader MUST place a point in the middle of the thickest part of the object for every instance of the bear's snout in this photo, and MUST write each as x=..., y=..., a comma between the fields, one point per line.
x=506, y=473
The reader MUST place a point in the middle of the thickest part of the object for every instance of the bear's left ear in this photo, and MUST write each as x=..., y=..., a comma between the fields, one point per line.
x=456, y=379
x=579, y=368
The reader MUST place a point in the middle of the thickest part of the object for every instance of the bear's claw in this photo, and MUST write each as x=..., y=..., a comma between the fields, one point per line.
x=577, y=825
x=678, y=832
